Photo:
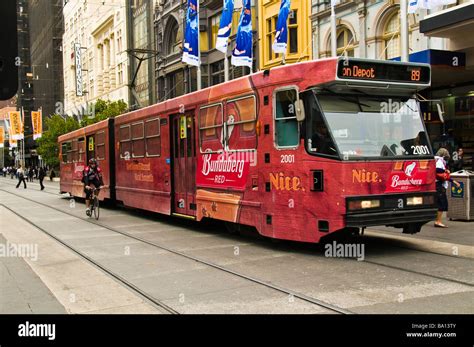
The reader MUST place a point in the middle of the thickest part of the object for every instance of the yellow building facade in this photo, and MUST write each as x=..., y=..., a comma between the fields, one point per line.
x=299, y=32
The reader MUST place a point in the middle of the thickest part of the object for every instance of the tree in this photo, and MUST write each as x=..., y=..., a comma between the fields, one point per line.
x=48, y=144
x=104, y=109
x=7, y=158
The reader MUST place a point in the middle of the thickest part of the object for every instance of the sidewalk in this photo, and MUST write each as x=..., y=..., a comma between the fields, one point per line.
x=458, y=232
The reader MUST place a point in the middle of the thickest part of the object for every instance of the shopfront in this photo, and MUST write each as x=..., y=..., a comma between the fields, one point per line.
x=452, y=79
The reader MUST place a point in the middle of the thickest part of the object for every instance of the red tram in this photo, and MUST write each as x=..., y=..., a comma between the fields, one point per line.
x=298, y=151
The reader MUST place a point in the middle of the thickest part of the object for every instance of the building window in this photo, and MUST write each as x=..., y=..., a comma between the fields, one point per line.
x=172, y=41
x=286, y=125
x=120, y=73
x=217, y=72
x=271, y=30
x=119, y=41
x=345, y=42
x=175, y=84
x=293, y=32
x=215, y=21
x=391, y=37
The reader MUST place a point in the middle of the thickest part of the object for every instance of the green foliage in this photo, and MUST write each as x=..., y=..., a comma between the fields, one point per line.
x=7, y=158
x=104, y=109
x=48, y=144
x=56, y=126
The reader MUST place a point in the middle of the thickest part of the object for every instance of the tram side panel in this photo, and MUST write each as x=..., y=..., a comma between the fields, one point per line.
x=142, y=165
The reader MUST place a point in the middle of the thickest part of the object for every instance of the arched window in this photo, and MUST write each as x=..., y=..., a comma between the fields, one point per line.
x=173, y=41
x=345, y=42
x=391, y=36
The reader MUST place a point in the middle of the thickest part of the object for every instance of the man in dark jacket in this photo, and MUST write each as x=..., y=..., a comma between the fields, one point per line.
x=41, y=174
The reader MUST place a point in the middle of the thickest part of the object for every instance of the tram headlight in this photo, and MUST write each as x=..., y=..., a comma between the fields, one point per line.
x=363, y=204
x=414, y=200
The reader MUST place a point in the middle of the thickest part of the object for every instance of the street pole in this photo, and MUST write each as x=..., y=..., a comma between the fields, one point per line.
x=226, y=67
x=333, y=32
x=198, y=73
x=404, y=30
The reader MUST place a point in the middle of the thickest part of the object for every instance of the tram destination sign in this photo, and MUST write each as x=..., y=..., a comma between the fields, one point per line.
x=363, y=70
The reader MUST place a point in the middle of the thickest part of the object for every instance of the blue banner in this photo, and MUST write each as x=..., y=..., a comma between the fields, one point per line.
x=225, y=26
x=281, y=35
x=191, y=40
x=242, y=53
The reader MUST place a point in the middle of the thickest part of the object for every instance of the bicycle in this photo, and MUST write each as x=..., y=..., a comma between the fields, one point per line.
x=94, y=207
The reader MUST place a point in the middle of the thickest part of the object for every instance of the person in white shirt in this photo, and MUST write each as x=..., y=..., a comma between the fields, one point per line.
x=21, y=177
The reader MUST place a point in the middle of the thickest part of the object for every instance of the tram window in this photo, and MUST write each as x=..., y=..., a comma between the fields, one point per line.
x=65, y=152
x=318, y=136
x=81, y=145
x=286, y=125
x=210, y=128
x=138, y=140
x=152, y=137
x=241, y=117
x=74, y=154
x=125, y=144
x=100, y=145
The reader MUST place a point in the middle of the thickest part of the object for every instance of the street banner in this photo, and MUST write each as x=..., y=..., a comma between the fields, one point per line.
x=414, y=5
x=281, y=36
x=37, y=122
x=16, y=126
x=225, y=26
x=334, y=2
x=191, y=38
x=242, y=53
x=78, y=61
x=2, y=136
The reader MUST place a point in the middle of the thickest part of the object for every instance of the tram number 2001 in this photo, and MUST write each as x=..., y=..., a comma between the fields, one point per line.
x=420, y=150
x=219, y=179
x=287, y=158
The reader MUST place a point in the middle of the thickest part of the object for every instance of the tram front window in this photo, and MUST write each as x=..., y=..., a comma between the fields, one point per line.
x=366, y=126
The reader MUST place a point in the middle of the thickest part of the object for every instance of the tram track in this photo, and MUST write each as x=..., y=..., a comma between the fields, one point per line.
x=391, y=245
x=286, y=291
x=155, y=301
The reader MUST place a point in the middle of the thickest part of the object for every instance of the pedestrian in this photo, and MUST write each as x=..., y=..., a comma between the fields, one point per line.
x=31, y=174
x=457, y=162
x=443, y=176
x=21, y=177
x=41, y=174
x=52, y=175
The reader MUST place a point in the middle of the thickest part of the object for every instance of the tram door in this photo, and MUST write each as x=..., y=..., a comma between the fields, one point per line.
x=184, y=166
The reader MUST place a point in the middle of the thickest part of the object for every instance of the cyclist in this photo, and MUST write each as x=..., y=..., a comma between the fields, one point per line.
x=92, y=177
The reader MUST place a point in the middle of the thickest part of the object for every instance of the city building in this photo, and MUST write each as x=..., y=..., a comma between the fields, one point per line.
x=141, y=52
x=25, y=96
x=299, y=46
x=454, y=85
x=173, y=78
x=99, y=29
x=46, y=30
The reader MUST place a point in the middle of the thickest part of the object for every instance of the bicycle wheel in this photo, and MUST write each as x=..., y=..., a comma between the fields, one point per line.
x=96, y=208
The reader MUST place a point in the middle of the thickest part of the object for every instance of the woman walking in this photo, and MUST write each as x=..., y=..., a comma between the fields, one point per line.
x=443, y=176
x=21, y=177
